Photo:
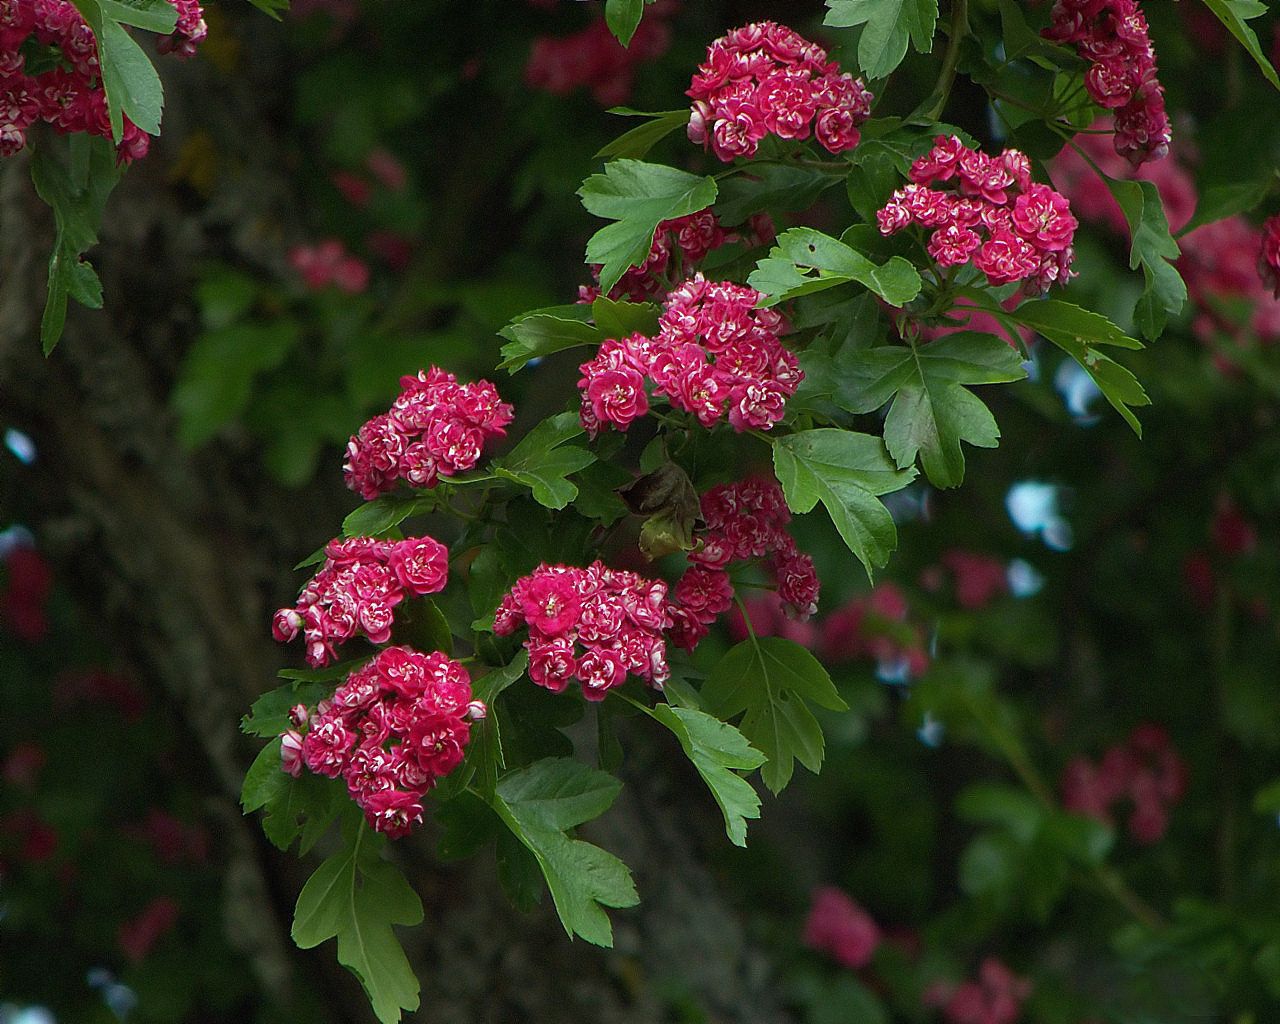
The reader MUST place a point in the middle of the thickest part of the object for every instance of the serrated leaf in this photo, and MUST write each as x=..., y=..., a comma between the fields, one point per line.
x=1058, y=320
x=544, y=332
x=620, y=319
x=1218, y=202
x=718, y=751
x=1234, y=14
x=847, y=472
x=1154, y=250
x=129, y=80
x=356, y=897
x=770, y=682
x=778, y=187
x=890, y=24
x=538, y=803
x=269, y=714
x=543, y=459
x=380, y=516
x=638, y=196
x=804, y=261
x=152, y=15
x=636, y=143
x=301, y=808
x=932, y=413
x=77, y=202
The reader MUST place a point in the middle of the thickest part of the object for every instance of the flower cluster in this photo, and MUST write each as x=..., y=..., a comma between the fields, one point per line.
x=978, y=579
x=595, y=60
x=840, y=928
x=1269, y=255
x=678, y=245
x=437, y=427
x=1145, y=770
x=765, y=79
x=69, y=95
x=1012, y=228
x=328, y=263
x=877, y=625
x=357, y=590
x=391, y=730
x=746, y=519
x=595, y=624
x=1113, y=36
x=715, y=354
x=995, y=997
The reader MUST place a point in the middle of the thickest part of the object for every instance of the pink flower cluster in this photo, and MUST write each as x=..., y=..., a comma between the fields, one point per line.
x=1145, y=770
x=765, y=79
x=840, y=928
x=1012, y=228
x=1219, y=260
x=391, y=730
x=678, y=246
x=328, y=263
x=357, y=590
x=437, y=427
x=69, y=96
x=1113, y=36
x=24, y=599
x=995, y=997
x=595, y=624
x=978, y=579
x=1269, y=255
x=715, y=354
x=877, y=625
x=745, y=519
x=595, y=60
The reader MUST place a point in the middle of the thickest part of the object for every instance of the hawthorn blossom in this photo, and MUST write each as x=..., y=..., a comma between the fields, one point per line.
x=357, y=589
x=1113, y=35
x=1144, y=772
x=596, y=625
x=69, y=95
x=716, y=356
x=765, y=79
x=1269, y=255
x=990, y=214
x=437, y=427
x=390, y=731
x=839, y=927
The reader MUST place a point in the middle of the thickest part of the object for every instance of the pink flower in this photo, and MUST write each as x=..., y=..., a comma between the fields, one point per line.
x=291, y=753
x=837, y=926
x=393, y=812
x=550, y=603
x=1269, y=255
x=599, y=669
x=420, y=565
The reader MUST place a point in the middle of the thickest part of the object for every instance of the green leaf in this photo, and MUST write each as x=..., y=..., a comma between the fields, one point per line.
x=356, y=897
x=1218, y=202
x=1062, y=321
x=623, y=18
x=769, y=681
x=380, y=516
x=269, y=715
x=301, y=808
x=1233, y=14
x=219, y=371
x=889, y=25
x=932, y=412
x=1076, y=331
x=636, y=143
x=129, y=80
x=638, y=196
x=1154, y=250
x=272, y=7
x=77, y=202
x=620, y=319
x=542, y=460
x=717, y=749
x=778, y=187
x=546, y=331
x=1267, y=799
x=538, y=804
x=785, y=272
x=152, y=15
x=846, y=471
